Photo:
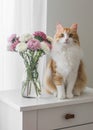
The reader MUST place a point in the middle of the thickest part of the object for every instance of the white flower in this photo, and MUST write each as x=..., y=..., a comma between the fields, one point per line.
x=25, y=37
x=50, y=38
x=45, y=47
x=21, y=47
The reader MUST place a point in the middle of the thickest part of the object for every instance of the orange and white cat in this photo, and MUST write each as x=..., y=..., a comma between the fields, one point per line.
x=65, y=75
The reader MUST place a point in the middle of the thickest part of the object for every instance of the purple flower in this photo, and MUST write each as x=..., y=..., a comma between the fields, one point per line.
x=40, y=35
x=33, y=44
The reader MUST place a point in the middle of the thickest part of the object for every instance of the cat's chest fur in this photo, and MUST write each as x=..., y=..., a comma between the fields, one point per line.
x=67, y=60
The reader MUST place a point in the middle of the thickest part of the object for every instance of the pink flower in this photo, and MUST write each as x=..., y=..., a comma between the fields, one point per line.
x=12, y=46
x=33, y=44
x=13, y=41
x=13, y=36
x=39, y=35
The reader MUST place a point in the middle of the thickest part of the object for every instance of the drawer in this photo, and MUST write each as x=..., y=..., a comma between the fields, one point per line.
x=55, y=118
x=83, y=127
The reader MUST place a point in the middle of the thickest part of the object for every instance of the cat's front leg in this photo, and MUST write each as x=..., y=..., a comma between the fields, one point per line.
x=59, y=82
x=71, y=82
x=61, y=92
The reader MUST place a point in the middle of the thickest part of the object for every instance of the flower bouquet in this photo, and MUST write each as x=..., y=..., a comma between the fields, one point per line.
x=31, y=48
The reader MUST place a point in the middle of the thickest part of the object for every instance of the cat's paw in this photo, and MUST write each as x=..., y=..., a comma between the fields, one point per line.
x=70, y=95
x=55, y=94
x=76, y=93
x=60, y=97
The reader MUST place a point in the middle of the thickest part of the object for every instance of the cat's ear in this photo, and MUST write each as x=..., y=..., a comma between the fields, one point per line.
x=74, y=27
x=59, y=27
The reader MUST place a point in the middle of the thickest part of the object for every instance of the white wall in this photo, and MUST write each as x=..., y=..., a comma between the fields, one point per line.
x=75, y=11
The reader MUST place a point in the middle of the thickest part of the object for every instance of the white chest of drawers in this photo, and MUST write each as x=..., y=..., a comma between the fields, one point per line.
x=45, y=113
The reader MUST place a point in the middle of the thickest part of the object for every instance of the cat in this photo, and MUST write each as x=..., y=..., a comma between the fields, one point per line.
x=65, y=74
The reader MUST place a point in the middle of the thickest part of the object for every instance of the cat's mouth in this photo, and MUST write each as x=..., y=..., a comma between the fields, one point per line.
x=66, y=42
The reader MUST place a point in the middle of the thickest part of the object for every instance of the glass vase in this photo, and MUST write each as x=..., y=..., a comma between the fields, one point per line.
x=31, y=87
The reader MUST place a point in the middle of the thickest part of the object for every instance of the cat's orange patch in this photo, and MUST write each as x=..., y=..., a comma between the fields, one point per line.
x=55, y=78
x=81, y=80
x=75, y=37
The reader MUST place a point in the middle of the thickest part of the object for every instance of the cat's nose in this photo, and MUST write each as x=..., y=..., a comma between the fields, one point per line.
x=66, y=40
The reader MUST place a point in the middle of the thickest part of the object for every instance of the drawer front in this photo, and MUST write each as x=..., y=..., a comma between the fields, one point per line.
x=83, y=127
x=29, y=120
x=60, y=117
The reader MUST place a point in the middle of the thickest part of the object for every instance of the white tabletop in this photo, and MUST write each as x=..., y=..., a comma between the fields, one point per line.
x=14, y=99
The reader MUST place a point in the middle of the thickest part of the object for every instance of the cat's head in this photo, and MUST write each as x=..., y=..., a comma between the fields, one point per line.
x=67, y=36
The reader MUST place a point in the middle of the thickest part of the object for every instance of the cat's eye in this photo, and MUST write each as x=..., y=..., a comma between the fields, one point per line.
x=62, y=35
x=70, y=35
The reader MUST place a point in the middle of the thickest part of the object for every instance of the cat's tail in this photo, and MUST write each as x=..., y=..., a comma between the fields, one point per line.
x=50, y=86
